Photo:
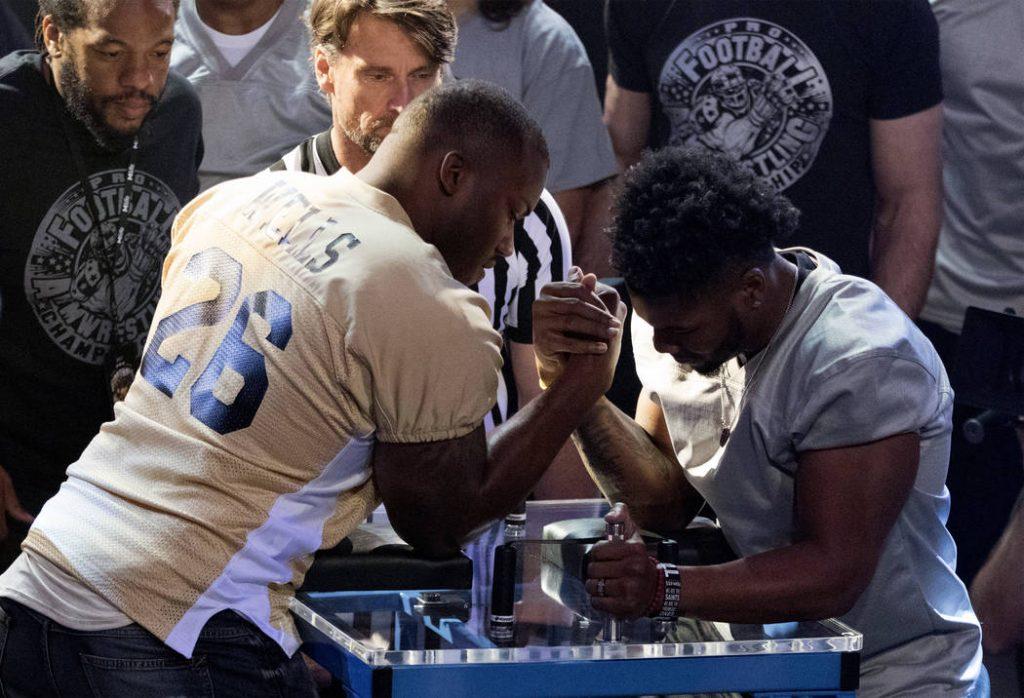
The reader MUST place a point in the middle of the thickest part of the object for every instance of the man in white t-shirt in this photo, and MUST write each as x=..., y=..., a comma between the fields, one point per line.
x=249, y=62
x=802, y=405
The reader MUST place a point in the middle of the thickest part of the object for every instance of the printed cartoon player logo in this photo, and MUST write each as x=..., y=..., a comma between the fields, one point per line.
x=69, y=269
x=753, y=90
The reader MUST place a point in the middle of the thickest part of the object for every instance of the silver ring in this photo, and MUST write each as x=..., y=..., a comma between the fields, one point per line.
x=600, y=588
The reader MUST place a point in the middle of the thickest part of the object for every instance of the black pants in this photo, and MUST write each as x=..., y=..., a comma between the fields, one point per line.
x=983, y=480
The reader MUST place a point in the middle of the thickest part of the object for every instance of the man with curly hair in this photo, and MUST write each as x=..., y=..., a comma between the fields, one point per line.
x=802, y=405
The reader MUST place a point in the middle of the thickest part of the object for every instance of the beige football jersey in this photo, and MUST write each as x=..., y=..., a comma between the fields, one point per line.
x=301, y=320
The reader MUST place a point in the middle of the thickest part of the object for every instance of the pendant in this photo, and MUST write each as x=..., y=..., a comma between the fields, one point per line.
x=726, y=431
x=121, y=369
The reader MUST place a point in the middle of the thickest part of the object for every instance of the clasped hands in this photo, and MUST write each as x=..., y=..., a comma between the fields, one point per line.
x=577, y=333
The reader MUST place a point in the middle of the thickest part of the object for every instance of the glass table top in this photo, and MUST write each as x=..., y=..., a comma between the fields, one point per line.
x=547, y=617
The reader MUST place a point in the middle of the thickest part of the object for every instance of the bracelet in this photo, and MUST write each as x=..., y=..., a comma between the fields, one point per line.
x=659, y=593
x=673, y=588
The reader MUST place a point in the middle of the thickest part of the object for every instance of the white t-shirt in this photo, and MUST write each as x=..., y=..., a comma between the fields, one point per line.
x=255, y=109
x=541, y=61
x=980, y=256
x=235, y=47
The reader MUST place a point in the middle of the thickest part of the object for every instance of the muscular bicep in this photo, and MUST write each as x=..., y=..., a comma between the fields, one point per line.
x=848, y=499
x=419, y=484
x=651, y=419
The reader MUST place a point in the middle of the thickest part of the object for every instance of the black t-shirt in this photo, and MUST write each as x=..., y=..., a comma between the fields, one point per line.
x=55, y=318
x=787, y=86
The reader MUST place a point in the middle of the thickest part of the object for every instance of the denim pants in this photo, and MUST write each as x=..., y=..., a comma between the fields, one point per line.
x=39, y=657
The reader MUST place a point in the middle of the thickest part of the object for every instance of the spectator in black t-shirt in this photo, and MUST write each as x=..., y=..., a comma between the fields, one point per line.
x=96, y=112
x=836, y=103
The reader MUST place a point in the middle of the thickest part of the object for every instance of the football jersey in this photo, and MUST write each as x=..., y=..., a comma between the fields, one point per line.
x=543, y=253
x=302, y=319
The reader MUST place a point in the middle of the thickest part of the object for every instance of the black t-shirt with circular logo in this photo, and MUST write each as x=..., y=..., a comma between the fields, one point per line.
x=56, y=264
x=788, y=87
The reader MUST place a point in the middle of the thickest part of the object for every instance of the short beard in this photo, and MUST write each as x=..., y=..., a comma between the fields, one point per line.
x=733, y=347
x=368, y=140
x=82, y=104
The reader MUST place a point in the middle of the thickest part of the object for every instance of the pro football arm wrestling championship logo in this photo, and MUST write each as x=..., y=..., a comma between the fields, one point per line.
x=752, y=90
x=74, y=261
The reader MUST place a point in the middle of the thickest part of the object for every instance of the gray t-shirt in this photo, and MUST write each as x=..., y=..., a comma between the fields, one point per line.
x=540, y=60
x=980, y=259
x=256, y=111
x=846, y=367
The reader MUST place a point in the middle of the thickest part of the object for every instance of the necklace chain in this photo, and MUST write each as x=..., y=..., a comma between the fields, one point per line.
x=724, y=424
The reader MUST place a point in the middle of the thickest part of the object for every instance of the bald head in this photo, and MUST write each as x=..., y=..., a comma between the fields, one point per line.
x=472, y=117
x=466, y=162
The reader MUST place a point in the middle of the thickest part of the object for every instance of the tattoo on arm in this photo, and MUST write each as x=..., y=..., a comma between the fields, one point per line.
x=629, y=466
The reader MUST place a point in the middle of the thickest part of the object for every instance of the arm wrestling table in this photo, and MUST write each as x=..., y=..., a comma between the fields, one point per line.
x=426, y=642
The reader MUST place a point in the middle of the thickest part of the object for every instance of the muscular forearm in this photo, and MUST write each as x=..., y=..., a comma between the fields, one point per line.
x=439, y=493
x=903, y=250
x=798, y=582
x=629, y=467
x=522, y=449
x=996, y=590
x=627, y=115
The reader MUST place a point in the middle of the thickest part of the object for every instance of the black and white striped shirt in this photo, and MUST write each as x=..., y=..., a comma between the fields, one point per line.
x=543, y=254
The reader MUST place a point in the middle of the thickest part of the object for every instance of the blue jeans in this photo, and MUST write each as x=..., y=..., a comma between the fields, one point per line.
x=39, y=657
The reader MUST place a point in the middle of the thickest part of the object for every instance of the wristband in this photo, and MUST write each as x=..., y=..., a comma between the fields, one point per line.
x=669, y=610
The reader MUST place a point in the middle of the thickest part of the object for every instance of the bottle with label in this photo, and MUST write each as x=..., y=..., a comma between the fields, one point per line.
x=502, y=617
x=515, y=523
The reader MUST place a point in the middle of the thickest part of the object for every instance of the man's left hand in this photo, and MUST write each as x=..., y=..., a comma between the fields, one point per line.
x=621, y=577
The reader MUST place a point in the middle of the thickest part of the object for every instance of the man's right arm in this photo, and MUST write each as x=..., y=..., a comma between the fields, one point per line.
x=632, y=461
x=630, y=85
x=995, y=591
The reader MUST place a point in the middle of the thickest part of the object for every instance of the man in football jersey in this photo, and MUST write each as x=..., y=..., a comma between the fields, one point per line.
x=371, y=60
x=315, y=350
